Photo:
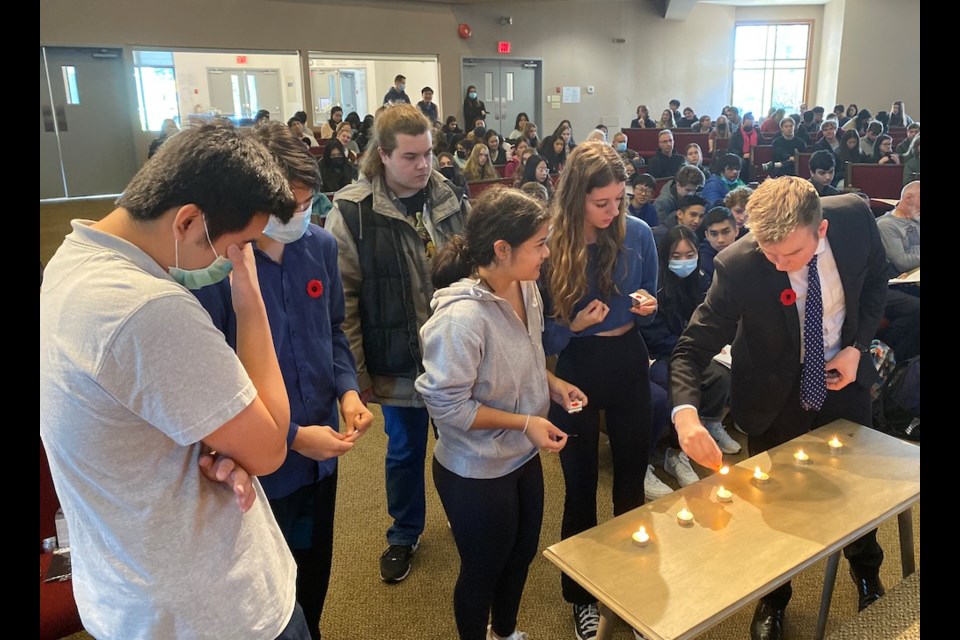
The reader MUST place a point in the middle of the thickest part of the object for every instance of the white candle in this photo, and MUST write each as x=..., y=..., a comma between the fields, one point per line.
x=685, y=518
x=760, y=477
x=724, y=495
x=724, y=470
x=641, y=537
x=800, y=457
x=836, y=447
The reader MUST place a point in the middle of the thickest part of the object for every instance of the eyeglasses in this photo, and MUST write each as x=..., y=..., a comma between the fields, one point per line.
x=647, y=191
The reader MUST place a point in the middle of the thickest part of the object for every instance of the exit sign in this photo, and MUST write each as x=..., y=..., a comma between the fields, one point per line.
x=241, y=59
x=503, y=47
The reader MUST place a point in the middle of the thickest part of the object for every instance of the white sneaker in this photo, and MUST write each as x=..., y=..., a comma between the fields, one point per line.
x=516, y=635
x=724, y=441
x=677, y=464
x=654, y=487
x=586, y=619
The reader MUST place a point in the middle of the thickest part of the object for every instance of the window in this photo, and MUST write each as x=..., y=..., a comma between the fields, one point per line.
x=770, y=66
x=70, y=84
x=156, y=88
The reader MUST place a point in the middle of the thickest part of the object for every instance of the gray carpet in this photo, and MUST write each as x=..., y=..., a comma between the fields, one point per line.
x=360, y=606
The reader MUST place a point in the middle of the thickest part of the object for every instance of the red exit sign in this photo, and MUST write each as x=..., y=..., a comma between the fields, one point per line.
x=241, y=59
x=503, y=47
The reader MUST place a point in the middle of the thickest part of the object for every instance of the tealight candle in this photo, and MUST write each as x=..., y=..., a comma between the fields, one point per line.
x=836, y=447
x=641, y=537
x=724, y=495
x=759, y=477
x=685, y=518
x=724, y=470
x=800, y=457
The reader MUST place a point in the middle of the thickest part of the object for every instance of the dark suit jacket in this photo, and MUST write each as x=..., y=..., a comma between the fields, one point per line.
x=743, y=307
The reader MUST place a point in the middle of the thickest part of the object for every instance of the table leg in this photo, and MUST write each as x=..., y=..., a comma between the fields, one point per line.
x=607, y=620
x=905, y=523
x=829, y=579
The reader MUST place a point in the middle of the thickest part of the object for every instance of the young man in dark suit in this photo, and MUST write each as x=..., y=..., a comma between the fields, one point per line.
x=804, y=265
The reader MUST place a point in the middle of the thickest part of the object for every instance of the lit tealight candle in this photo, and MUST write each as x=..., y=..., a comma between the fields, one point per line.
x=685, y=518
x=724, y=495
x=641, y=537
x=800, y=457
x=836, y=447
x=760, y=477
x=724, y=470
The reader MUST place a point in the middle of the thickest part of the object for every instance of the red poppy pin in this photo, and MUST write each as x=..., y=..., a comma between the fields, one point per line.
x=788, y=297
x=315, y=288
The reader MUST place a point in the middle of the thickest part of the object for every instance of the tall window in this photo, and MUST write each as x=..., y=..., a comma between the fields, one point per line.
x=156, y=88
x=770, y=66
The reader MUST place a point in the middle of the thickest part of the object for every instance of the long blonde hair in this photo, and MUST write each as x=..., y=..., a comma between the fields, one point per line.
x=473, y=171
x=590, y=166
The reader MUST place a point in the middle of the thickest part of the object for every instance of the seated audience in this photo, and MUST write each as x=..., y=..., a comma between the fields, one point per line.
x=553, y=149
x=688, y=119
x=694, y=157
x=478, y=166
x=719, y=232
x=329, y=128
x=736, y=201
x=869, y=139
x=898, y=115
x=822, y=169
x=900, y=230
x=448, y=167
x=641, y=201
x=912, y=132
x=785, y=149
x=536, y=170
x=498, y=155
x=519, y=124
x=883, y=152
x=335, y=171
x=689, y=213
x=643, y=119
x=666, y=120
x=726, y=176
x=688, y=181
x=704, y=125
x=516, y=159
x=665, y=162
x=911, y=166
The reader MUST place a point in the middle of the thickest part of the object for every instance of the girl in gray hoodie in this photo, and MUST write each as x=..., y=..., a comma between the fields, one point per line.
x=487, y=389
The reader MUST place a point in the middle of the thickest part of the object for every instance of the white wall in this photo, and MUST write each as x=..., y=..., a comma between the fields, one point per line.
x=879, y=61
x=193, y=89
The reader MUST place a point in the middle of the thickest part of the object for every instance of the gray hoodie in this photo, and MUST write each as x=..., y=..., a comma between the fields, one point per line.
x=477, y=352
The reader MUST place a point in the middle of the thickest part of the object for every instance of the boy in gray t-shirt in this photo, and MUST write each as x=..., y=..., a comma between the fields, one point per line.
x=136, y=384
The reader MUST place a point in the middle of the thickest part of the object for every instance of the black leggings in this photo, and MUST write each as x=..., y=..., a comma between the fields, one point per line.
x=496, y=525
x=614, y=373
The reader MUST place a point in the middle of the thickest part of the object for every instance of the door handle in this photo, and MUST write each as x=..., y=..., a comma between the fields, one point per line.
x=47, y=112
x=61, y=112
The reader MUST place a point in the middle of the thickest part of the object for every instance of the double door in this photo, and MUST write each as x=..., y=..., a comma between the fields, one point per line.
x=241, y=93
x=507, y=87
x=332, y=87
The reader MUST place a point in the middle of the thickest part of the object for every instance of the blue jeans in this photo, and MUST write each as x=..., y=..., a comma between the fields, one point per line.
x=297, y=628
x=407, y=429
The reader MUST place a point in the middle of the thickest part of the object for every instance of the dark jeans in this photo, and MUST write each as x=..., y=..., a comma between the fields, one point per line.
x=306, y=519
x=296, y=629
x=902, y=330
x=613, y=372
x=406, y=429
x=714, y=394
x=851, y=403
x=496, y=525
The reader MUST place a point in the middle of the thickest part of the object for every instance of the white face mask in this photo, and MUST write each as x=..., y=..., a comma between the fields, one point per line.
x=290, y=232
x=195, y=279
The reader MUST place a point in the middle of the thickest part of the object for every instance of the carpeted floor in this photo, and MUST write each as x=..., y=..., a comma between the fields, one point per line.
x=360, y=606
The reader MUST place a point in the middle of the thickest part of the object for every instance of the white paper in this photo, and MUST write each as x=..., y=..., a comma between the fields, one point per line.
x=910, y=278
x=571, y=95
x=724, y=357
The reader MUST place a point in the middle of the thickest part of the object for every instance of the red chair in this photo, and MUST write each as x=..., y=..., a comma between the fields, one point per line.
x=681, y=140
x=803, y=164
x=58, y=610
x=762, y=154
x=643, y=141
x=500, y=169
x=661, y=183
x=478, y=187
x=875, y=180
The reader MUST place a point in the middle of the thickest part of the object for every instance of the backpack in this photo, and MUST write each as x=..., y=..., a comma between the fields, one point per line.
x=896, y=407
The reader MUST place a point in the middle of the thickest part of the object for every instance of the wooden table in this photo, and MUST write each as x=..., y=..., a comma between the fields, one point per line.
x=689, y=579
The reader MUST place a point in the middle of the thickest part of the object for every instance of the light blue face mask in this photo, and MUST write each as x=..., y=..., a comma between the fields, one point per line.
x=290, y=232
x=195, y=279
x=472, y=95
x=621, y=146
x=403, y=86
x=682, y=268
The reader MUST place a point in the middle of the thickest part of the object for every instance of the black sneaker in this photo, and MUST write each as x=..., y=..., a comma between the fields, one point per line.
x=586, y=619
x=395, y=563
